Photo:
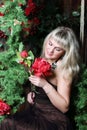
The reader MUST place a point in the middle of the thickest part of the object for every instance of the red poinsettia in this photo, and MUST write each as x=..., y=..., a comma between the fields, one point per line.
x=41, y=67
x=4, y=108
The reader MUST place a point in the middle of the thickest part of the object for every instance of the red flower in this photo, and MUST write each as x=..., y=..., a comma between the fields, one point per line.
x=41, y=67
x=24, y=54
x=2, y=34
x=4, y=108
x=36, y=21
x=31, y=8
x=1, y=14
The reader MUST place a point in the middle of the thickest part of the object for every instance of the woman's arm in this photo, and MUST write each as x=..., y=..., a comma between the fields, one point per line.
x=60, y=98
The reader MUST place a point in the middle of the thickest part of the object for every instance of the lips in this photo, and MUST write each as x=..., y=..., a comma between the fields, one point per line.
x=48, y=54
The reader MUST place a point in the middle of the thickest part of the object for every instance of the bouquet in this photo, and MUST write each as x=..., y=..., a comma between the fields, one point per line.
x=41, y=67
x=38, y=66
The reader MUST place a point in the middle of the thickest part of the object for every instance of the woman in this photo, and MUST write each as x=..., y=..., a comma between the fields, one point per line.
x=47, y=108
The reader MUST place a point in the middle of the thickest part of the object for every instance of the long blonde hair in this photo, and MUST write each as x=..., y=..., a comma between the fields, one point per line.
x=68, y=41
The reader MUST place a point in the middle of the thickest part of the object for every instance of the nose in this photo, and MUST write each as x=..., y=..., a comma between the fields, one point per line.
x=51, y=50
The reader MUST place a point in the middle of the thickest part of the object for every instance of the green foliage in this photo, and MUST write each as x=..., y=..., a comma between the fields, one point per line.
x=12, y=74
x=81, y=100
x=78, y=106
x=12, y=78
x=12, y=21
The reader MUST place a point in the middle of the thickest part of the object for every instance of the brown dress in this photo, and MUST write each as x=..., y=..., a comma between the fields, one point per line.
x=40, y=116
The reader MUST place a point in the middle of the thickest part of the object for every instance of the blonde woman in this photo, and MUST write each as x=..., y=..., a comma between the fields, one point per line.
x=48, y=107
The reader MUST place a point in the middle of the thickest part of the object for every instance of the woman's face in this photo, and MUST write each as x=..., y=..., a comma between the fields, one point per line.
x=53, y=51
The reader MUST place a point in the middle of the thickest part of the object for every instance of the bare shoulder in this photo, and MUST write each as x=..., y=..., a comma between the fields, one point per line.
x=63, y=78
x=64, y=85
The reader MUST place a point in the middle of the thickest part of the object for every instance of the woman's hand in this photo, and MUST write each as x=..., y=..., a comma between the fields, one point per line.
x=37, y=81
x=30, y=97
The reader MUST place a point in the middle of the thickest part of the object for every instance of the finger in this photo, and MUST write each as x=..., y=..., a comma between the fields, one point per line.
x=33, y=95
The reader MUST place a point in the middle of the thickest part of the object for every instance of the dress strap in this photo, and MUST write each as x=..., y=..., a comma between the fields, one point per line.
x=51, y=84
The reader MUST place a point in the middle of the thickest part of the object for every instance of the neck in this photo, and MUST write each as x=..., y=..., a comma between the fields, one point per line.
x=50, y=61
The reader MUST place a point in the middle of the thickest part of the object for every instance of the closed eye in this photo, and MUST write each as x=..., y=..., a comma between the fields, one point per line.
x=50, y=43
x=55, y=47
x=58, y=49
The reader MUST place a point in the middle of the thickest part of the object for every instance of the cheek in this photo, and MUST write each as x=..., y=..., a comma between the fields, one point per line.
x=45, y=51
x=46, y=46
x=58, y=55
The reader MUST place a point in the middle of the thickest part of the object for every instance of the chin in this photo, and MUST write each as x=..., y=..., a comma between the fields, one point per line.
x=47, y=57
